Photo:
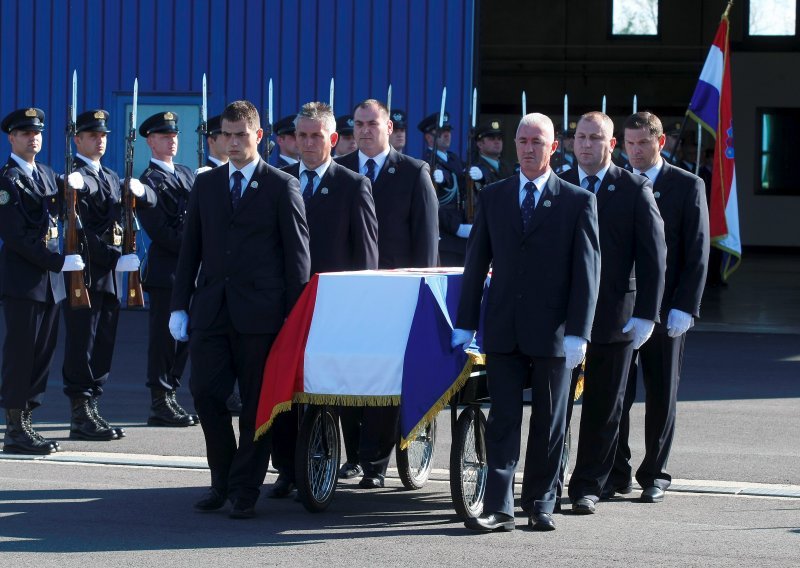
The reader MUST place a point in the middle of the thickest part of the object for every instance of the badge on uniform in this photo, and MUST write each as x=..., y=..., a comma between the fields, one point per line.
x=611, y=188
x=324, y=191
x=4, y=197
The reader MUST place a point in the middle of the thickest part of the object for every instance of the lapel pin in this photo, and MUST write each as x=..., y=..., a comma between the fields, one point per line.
x=324, y=191
x=4, y=197
x=254, y=184
x=611, y=188
x=657, y=194
x=547, y=203
x=391, y=170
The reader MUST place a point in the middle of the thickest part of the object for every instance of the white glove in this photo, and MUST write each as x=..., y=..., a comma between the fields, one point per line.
x=678, y=323
x=136, y=187
x=75, y=180
x=463, y=231
x=73, y=262
x=475, y=173
x=127, y=263
x=438, y=176
x=202, y=169
x=462, y=338
x=574, y=350
x=179, y=325
x=642, y=329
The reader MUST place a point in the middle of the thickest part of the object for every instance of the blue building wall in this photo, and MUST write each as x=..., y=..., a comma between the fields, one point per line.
x=418, y=46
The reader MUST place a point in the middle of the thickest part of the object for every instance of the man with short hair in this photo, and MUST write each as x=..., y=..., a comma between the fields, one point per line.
x=631, y=286
x=243, y=263
x=397, y=137
x=681, y=200
x=287, y=145
x=490, y=166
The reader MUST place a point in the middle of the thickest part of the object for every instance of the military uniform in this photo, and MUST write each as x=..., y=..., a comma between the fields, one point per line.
x=213, y=128
x=564, y=160
x=493, y=170
x=282, y=127
x=399, y=125
x=30, y=287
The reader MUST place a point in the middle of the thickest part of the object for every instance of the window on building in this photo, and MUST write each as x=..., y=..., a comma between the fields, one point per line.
x=772, y=18
x=634, y=17
x=777, y=158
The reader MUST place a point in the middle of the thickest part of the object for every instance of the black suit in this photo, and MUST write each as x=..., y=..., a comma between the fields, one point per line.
x=452, y=248
x=90, y=334
x=166, y=358
x=253, y=263
x=631, y=285
x=681, y=200
x=544, y=286
x=30, y=283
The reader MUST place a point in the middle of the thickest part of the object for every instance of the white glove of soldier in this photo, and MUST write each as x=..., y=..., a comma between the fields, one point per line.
x=179, y=325
x=461, y=338
x=202, y=169
x=136, y=187
x=475, y=173
x=438, y=176
x=642, y=329
x=678, y=323
x=574, y=350
x=73, y=262
x=127, y=263
x=463, y=231
x=75, y=180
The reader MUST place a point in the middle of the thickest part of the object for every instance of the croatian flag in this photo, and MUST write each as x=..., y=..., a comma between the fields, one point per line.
x=711, y=108
x=369, y=338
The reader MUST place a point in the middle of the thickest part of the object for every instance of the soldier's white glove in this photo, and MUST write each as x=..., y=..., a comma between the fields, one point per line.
x=127, y=263
x=136, y=187
x=574, y=350
x=75, y=180
x=475, y=173
x=73, y=262
x=179, y=325
x=463, y=231
x=202, y=169
x=461, y=338
x=642, y=329
x=678, y=323
x=438, y=176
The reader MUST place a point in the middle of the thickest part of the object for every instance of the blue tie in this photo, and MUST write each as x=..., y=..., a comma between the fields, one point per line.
x=528, y=205
x=308, y=190
x=236, y=191
x=371, y=170
x=591, y=182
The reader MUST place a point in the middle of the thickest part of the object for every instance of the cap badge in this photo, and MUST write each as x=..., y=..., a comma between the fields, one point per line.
x=31, y=113
x=100, y=115
x=169, y=116
x=350, y=122
x=496, y=125
x=397, y=116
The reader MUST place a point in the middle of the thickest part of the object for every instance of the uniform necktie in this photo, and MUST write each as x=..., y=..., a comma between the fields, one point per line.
x=308, y=190
x=236, y=191
x=371, y=170
x=528, y=205
x=591, y=182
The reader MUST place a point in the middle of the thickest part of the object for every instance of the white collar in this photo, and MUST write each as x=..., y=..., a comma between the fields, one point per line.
x=653, y=172
x=320, y=171
x=164, y=165
x=540, y=182
x=582, y=175
x=26, y=167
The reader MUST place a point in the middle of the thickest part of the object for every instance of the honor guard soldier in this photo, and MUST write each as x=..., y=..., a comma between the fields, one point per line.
x=564, y=158
x=489, y=167
x=447, y=171
x=287, y=146
x=171, y=182
x=347, y=140
x=30, y=284
x=90, y=333
x=217, y=152
x=672, y=144
x=397, y=138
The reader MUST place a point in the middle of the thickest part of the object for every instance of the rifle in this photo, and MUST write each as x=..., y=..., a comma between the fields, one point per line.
x=469, y=198
x=76, y=280
x=130, y=224
x=269, y=145
x=202, y=129
x=440, y=123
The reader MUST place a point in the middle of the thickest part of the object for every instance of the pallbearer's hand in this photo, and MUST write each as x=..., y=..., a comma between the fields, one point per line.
x=574, y=350
x=73, y=262
x=127, y=263
x=642, y=329
x=75, y=180
x=678, y=323
x=462, y=338
x=179, y=325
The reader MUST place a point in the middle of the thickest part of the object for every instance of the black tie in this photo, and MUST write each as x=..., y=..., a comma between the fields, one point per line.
x=236, y=191
x=371, y=170
x=591, y=182
x=644, y=175
x=528, y=205
x=308, y=190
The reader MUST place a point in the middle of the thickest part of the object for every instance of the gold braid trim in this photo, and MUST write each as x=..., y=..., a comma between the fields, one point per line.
x=280, y=407
x=347, y=399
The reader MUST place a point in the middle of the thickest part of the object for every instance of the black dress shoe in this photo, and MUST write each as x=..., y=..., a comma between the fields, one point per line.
x=371, y=482
x=243, y=509
x=583, y=506
x=491, y=522
x=652, y=495
x=212, y=501
x=610, y=493
x=349, y=471
x=282, y=487
x=542, y=522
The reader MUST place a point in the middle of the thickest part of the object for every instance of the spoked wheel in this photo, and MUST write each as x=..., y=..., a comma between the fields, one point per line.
x=468, y=467
x=317, y=458
x=415, y=462
x=567, y=451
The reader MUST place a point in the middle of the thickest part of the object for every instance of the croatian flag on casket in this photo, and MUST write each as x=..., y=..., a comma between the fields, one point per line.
x=369, y=338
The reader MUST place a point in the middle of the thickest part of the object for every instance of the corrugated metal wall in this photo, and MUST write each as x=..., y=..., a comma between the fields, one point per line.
x=416, y=45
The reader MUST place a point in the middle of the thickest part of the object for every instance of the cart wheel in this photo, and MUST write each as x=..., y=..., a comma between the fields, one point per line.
x=468, y=467
x=317, y=458
x=415, y=462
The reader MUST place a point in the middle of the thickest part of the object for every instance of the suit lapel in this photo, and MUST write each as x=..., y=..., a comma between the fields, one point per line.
x=662, y=186
x=548, y=201
x=253, y=186
x=511, y=201
x=387, y=171
x=324, y=185
x=607, y=187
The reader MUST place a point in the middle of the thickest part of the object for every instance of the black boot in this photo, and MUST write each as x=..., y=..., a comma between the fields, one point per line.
x=163, y=414
x=27, y=423
x=93, y=406
x=172, y=400
x=18, y=440
x=84, y=425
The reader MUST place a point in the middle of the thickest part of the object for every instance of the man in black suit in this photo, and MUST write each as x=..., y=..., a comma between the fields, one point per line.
x=539, y=236
x=406, y=207
x=166, y=358
x=344, y=236
x=90, y=334
x=681, y=200
x=31, y=285
x=243, y=263
x=631, y=285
